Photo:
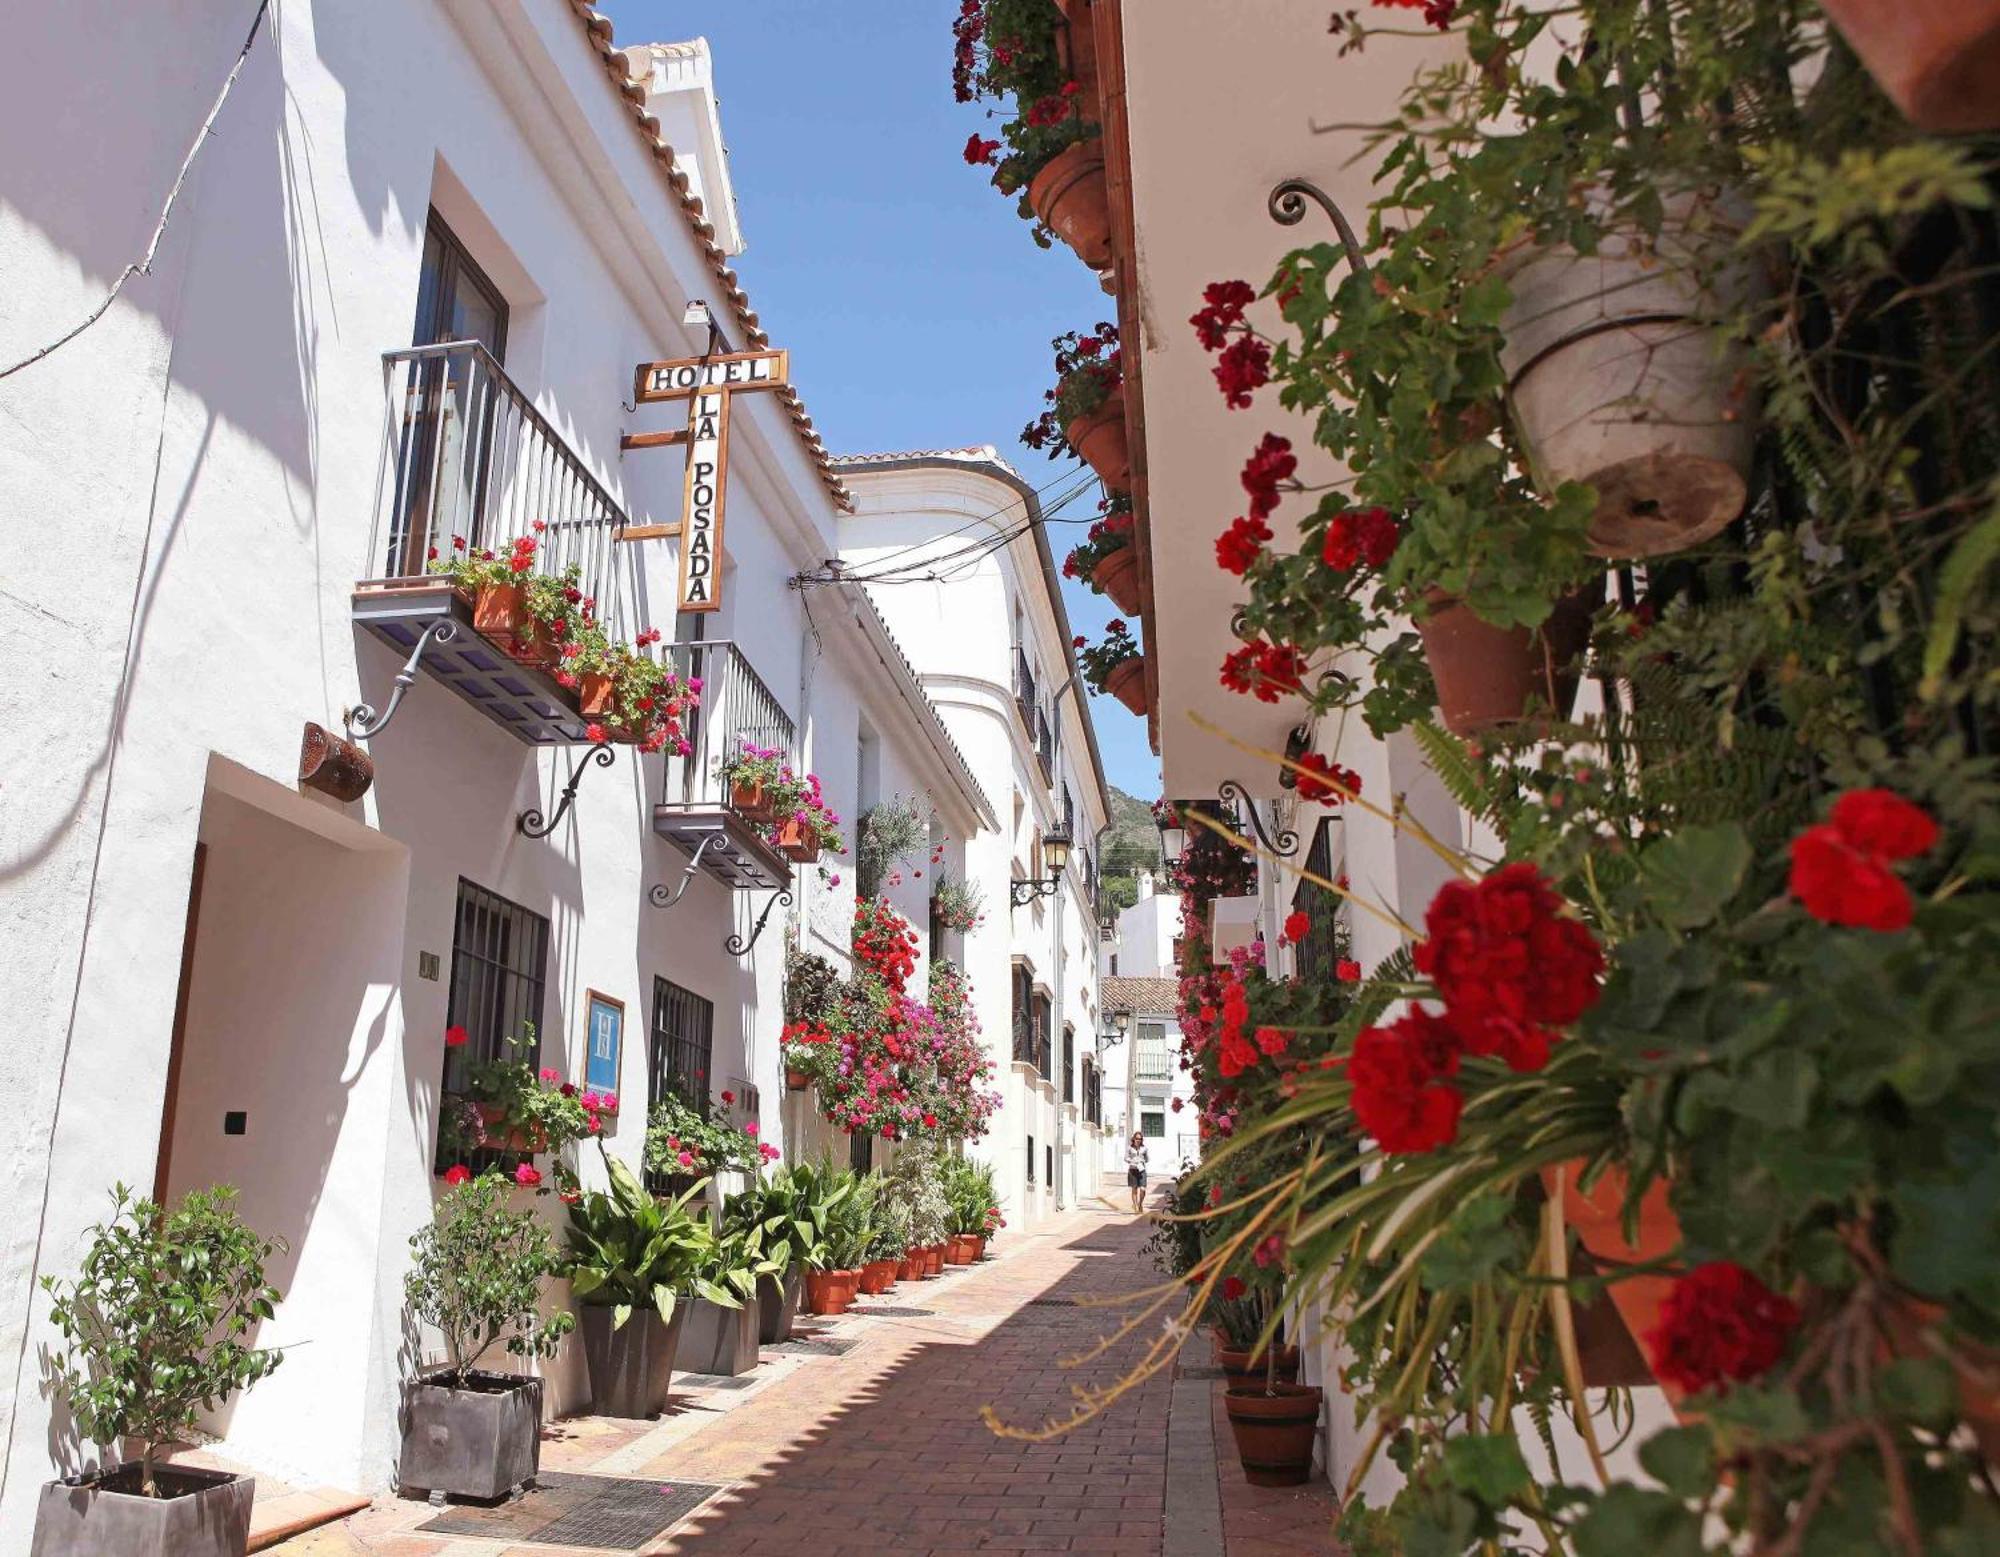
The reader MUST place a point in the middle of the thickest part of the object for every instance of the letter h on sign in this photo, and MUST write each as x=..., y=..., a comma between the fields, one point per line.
x=708, y=384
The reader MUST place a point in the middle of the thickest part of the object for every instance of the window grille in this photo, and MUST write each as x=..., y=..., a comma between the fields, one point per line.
x=499, y=957
x=1154, y=1063
x=683, y=1044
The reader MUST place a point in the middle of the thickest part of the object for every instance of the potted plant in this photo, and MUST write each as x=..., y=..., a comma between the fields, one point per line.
x=1085, y=416
x=496, y=584
x=893, y=835
x=1242, y=1349
x=916, y=1179
x=155, y=1326
x=651, y=699
x=789, y=1212
x=1938, y=60
x=1049, y=148
x=508, y=1105
x=762, y=785
x=958, y=904
x=632, y=1258
x=888, y=1244
x=720, y=1334
x=973, y=1202
x=1114, y=665
x=476, y=1275
x=684, y=1141
x=1107, y=559
x=833, y=1274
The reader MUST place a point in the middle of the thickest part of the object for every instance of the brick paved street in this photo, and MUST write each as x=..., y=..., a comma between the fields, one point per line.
x=881, y=1450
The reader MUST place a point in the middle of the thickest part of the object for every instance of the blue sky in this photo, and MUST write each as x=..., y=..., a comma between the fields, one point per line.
x=872, y=245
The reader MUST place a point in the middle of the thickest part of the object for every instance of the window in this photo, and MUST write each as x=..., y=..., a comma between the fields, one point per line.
x=1042, y=1019
x=1031, y=1162
x=683, y=1044
x=1049, y=1161
x=499, y=954
x=1153, y=1061
x=861, y=1151
x=1313, y=958
x=1069, y=1063
x=1024, y=1013
x=455, y=300
x=1153, y=1123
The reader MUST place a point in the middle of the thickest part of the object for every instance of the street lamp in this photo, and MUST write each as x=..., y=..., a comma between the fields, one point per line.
x=1121, y=1023
x=1055, y=852
x=1173, y=836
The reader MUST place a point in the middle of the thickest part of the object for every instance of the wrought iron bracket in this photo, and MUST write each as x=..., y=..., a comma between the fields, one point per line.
x=1288, y=841
x=660, y=897
x=530, y=821
x=1022, y=893
x=736, y=946
x=1287, y=205
x=360, y=720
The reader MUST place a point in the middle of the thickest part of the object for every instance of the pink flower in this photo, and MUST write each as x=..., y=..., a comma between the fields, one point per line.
x=592, y=1100
x=767, y=1151
x=527, y=1173
x=608, y=1101
x=750, y=1128
x=549, y=1075
x=685, y=1159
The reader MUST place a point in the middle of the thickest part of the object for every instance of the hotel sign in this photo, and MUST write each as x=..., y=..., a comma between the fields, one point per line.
x=708, y=384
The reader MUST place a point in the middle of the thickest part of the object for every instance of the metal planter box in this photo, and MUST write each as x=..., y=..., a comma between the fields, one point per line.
x=84, y=1517
x=777, y=1306
x=631, y=1368
x=480, y=1442
x=719, y=1340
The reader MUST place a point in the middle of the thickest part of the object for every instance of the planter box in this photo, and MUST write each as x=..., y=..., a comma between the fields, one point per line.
x=777, y=1306
x=717, y=1339
x=480, y=1442
x=631, y=1368
x=105, y=1515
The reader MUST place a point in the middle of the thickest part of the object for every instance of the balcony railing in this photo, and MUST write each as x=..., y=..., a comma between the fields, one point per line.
x=1045, y=745
x=1024, y=688
x=736, y=707
x=1024, y=1037
x=476, y=467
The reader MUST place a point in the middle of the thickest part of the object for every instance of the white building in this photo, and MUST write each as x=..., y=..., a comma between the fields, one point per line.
x=1141, y=942
x=991, y=643
x=1146, y=1088
x=219, y=498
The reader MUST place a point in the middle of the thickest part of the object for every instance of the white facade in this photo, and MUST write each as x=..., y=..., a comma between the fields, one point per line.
x=1142, y=944
x=991, y=643
x=1146, y=1087
x=193, y=488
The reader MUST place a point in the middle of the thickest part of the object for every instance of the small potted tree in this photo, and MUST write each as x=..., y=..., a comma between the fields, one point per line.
x=632, y=1259
x=156, y=1323
x=477, y=1277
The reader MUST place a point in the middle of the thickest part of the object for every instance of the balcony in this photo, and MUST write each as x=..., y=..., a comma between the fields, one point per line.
x=694, y=809
x=468, y=458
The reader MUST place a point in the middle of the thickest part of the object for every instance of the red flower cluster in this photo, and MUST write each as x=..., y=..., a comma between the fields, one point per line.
x=1052, y=109
x=884, y=943
x=1237, y=547
x=1327, y=782
x=1840, y=868
x=1402, y=1092
x=1269, y=670
x=978, y=151
x=1222, y=311
x=1236, y=1053
x=1360, y=535
x=1437, y=13
x=1244, y=365
x=1271, y=463
x=1297, y=927
x=967, y=28
x=1720, y=1324
x=1347, y=970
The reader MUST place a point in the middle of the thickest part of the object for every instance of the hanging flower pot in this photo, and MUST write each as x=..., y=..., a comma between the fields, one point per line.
x=751, y=801
x=1070, y=198
x=1598, y=1218
x=1275, y=1431
x=1118, y=576
x=1487, y=675
x=1099, y=440
x=499, y=610
x=1127, y=683
x=1937, y=60
x=1619, y=375
x=797, y=1080
x=593, y=693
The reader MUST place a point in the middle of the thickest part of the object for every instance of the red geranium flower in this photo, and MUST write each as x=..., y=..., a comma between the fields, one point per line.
x=1437, y=13
x=1225, y=302
x=1360, y=535
x=1327, y=782
x=1882, y=823
x=527, y=1173
x=1501, y=948
x=1720, y=1324
x=455, y=1037
x=1243, y=366
x=1297, y=927
x=1401, y=1094
x=978, y=151
x=1269, y=464
x=1237, y=547
x=1347, y=970
x=1840, y=868
x=457, y=1174
x=1233, y=1288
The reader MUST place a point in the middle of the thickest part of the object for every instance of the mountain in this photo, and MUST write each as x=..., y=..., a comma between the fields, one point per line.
x=1132, y=845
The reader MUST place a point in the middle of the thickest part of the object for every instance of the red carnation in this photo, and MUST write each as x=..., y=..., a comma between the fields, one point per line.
x=1237, y=547
x=1720, y=1324
x=1401, y=1094
x=1271, y=463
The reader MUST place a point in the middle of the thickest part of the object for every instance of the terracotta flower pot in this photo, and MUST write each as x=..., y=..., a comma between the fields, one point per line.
x=1117, y=575
x=1620, y=375
x=1598, y=1219
x=1099, y=440
x=798, y=841
x=911, y=1267
x=593, y=693
x=1275, y=1432
x=958, y=1249
x=978, y=1248
x=1127, y=683
x=1245, y=1368
x=499, y=610
x=750, y=801
x=510, y=1138
x=849, y=1284
x=1937, y=60
x=1486, y=675
x=933, y=1260
x=876, y=1276
x=826, y=1293
x=1070, y=198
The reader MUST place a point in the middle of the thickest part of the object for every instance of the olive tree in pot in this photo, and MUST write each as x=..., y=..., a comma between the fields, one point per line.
x=477, y=1277
x=632, y=1259
x=156, y=1322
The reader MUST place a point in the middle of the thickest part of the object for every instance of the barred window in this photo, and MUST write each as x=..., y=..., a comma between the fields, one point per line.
x=499, y=957
x=1314, y=956
x=683, y=1044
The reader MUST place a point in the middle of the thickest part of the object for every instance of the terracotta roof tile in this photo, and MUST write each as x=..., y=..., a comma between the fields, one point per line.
x=1149, y=996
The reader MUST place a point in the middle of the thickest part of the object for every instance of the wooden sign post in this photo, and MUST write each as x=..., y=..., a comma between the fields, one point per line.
x=708, y=384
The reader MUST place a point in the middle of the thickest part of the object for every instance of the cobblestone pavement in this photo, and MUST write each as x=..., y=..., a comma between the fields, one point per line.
x=881, y=1449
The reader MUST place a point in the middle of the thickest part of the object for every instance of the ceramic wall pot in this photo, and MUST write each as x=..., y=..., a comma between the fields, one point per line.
x=1937, y=60
x=1127, y=683
x=1071, y=198
x=1275, y=1432
x=1620, y=374
x=777, y=1306
x=631, y=1367
x=1488, y=676
x=477, y=1442
x=1117, y=575
x=204, y=1514
x=1099, y=440
x=1598, y=1218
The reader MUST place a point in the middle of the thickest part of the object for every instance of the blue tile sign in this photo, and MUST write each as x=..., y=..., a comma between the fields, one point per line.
x=606, y=1040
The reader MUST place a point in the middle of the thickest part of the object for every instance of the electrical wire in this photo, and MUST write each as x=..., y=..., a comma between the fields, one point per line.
x=974, y=523
x=944, y=566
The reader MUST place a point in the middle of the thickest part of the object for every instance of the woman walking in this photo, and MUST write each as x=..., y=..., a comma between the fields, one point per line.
x=1135, y=1169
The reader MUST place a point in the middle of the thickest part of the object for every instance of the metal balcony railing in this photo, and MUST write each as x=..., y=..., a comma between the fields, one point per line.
x=475, y=467
x=1024, y=1037
x=1153, y=1062
x=1045, y=745
x=1024, y=688
x=735, y=707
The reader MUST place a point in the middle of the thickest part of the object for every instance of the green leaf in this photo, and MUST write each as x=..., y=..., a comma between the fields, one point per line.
x=1968, y=562
x=663, y=1302
x=1692, y=874
x=1918, y=1388
x=620, y=1312
x=1681, y=1459
x=1631, y=1520
x=1489, y=1466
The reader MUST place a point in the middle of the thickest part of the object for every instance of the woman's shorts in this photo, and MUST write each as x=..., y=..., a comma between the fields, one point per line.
x=1136, y=1177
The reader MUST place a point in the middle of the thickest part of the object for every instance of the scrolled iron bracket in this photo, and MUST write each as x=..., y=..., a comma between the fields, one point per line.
x=361, y=721
x=736, y=946
x=660, y=897
x=1288, y=841
x=1287, y=205
x=530, y=821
